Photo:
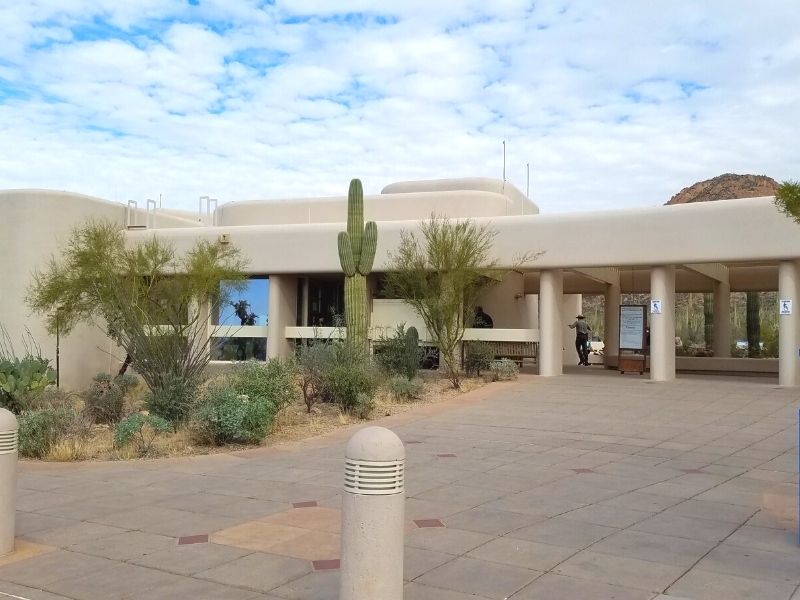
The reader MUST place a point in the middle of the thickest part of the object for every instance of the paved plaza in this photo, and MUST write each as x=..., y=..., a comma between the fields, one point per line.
x=589, y=486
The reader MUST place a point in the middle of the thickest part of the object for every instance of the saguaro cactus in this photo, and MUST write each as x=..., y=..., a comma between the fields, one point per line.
x=356, y=254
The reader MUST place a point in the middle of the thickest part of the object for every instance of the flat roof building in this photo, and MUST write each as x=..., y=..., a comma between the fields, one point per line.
x=717, y=247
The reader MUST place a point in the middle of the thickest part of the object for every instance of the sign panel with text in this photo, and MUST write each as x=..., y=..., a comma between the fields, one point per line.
x=632, y=323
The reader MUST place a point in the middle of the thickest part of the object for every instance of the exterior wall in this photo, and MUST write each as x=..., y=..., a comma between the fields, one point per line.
x=34, y=223
x=505, y=303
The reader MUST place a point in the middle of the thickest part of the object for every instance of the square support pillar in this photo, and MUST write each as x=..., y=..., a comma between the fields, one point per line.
x=721, y=337
x=282, y=314
x=613, y=298
x=788, y=324
x=662, y=326
x=551, y=297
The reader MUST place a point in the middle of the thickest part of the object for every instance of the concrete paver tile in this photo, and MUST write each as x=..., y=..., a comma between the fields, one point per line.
x=522, y=553
x=641, y=501
x=617, y=570
x=653, y=547
x=705, y=585
x=562, y=532
x=192, y=502
x=416, y=591
x=247, y=508
x=764, y=538
x=256, y=535
x=74, y=533
x=293, y=474
x=609, y=516
x=557, y=587
x=486, y=520
x=501, y=483
x=23, y=550
x=473, y=576
x=685, y=527
x=776, y=567
x=317, y=518
x=674, y=490
x=124, y=546
x=417, y=561
x=41, y=570
x=536, y=505
x=311, y=545
x=729, y=496
x=191, y=559
x=258, y=572
x=28, y=593
x=427, y=509
x=194, y=589
x=191, y=524
x=321, y=585
x=716, y=511
x=461, y=494
x=28, y=522
x=444, y=539
x=299, y=492
x=117, y=582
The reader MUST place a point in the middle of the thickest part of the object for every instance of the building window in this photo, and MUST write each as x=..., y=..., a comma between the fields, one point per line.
x=248, y=307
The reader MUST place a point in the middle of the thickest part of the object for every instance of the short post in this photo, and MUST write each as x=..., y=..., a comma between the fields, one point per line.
x=9, y=443
x=373, y=510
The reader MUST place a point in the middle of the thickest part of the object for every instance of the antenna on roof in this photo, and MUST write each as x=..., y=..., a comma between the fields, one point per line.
x=528, y=188
x=504, y=161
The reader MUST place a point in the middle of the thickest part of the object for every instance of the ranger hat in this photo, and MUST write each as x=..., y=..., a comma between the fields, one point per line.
x=580, y=317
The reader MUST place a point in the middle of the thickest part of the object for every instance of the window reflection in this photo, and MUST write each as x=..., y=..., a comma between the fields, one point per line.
x=248, y=307
x=228, y=349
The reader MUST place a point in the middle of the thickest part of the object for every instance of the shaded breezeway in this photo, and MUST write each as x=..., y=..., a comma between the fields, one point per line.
x=592, y=485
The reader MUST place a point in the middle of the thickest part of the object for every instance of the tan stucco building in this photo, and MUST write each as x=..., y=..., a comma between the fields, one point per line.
x=718, y=247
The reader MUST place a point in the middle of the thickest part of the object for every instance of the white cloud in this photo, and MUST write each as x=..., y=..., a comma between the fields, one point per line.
x=612, y=103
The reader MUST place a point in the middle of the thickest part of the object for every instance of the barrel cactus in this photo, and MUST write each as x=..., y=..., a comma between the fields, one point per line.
x=356, y=254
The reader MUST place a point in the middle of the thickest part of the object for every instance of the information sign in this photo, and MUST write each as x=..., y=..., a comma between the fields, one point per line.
x=632, y=327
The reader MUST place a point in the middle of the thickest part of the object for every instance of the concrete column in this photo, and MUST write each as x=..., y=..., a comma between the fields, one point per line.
x=282, y=314
x=662, y=326
x=721, y=341
x=787, y=324
x=532, y=309
x=551, y=294
x=613, y=298
x=571, y=307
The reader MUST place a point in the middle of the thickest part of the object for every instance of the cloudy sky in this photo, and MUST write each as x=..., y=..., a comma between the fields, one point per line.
x=614, y=103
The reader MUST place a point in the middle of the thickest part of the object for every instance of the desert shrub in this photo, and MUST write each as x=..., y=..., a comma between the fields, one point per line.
x=363, y=406
x=349, y=375
x=273, y=380
x=225, y=416
x=503, y=369
x=477, y=357
x=314, y=359
x=50, y=397
x=399, y=353
x=142, y=430
x=174, y=400
x=404, y=389
x=39, y=430
x=105, y=397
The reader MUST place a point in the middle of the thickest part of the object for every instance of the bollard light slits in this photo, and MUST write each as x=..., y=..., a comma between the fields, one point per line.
x=374, y=478
x=9, y=441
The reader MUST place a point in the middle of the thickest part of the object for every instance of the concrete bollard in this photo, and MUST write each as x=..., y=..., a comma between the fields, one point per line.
x=9, y=443
x=373, y=509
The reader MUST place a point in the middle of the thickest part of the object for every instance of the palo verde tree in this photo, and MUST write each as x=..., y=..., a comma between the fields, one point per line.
x=441, y=274
x=356, y=255
x=151, y=300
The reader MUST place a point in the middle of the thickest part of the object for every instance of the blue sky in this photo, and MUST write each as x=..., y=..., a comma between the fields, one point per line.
x=613, y=103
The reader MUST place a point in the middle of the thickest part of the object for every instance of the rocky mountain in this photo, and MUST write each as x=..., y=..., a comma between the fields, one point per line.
x=725, y=187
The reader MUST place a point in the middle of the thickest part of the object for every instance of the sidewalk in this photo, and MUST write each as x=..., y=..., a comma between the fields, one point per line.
x=589, y=486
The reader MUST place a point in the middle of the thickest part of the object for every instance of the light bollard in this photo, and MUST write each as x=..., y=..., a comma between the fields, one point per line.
x=9, y=443
x=373, y=510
